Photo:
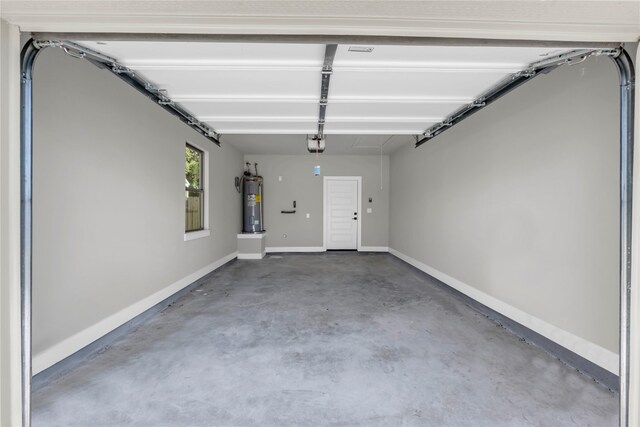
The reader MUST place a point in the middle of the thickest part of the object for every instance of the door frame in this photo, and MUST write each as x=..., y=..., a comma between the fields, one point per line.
x=325, y=217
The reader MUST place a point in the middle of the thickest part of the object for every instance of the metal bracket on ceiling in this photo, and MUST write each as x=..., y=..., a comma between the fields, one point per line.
x=524, y=73
x=41, y=44
x=134, y=80
x=511, y=82
x=78, y=55
x=119, y=69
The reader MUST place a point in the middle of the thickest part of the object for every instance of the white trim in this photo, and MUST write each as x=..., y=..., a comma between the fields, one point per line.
x=252, y=235
x=10, y=298
x=251, y=256
x=374, y=249
x=70, y=345
x=595, y=24
x=193, y=235
x=634, y=347
x=358, y=179
x=590, y=351
x=273, y=249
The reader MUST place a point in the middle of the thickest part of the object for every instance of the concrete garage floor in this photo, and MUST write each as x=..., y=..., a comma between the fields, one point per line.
x=326, y=339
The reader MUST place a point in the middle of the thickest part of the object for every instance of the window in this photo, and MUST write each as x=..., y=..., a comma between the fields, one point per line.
x=194, y=189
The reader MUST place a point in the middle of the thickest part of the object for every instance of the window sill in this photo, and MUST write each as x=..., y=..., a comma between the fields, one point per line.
x=193, y=235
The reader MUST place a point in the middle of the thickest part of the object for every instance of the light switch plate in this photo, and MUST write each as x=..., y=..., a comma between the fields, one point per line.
x=369, y=210
x=308, y=215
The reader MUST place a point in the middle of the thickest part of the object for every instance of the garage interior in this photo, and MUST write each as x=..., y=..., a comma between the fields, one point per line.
x=485, y=260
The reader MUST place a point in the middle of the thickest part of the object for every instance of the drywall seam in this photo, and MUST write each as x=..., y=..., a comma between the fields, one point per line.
x=294, y=249
x=590, y=351
x=85, y=337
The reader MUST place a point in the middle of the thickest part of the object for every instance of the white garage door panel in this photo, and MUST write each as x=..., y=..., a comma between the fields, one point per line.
x=257, y=127
x=443, y=84
x=182, y=53
x=274, y=88
x=381, y=127
x=392, y=109
x=207, y=110
x=181, y=83
x=459, y=56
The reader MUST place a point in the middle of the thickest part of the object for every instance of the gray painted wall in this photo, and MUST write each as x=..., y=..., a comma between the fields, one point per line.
x=299, y=184
x=109, y=199
x=520, y=201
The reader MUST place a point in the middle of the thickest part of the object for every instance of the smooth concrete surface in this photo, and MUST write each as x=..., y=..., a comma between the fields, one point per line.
x=520, y=201
x=322, y=339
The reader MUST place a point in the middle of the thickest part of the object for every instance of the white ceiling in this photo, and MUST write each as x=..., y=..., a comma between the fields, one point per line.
x=263, y=89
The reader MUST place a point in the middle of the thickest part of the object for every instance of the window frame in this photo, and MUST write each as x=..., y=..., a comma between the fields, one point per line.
x=204, y=190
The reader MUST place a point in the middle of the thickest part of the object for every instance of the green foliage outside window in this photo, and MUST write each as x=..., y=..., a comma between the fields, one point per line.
x=193, y=159
x=194, y=193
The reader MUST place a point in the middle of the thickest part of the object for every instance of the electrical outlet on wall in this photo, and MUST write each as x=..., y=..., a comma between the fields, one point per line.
x=308, y=215
x=369, y=210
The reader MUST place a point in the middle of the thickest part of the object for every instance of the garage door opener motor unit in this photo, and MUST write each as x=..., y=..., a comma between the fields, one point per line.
x=252, y=200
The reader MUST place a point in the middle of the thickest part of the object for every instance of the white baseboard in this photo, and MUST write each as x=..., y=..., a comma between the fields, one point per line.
x=252, y=235
x=294, y=249
x=374, y=249
x=321, y=249
x=67, y=347
x=590, y=351
x=251, y=256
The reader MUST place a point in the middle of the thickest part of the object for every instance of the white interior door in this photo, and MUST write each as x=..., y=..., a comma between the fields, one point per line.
x=341, y=210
